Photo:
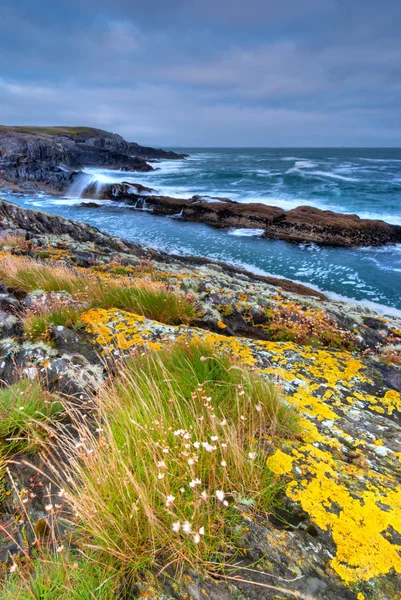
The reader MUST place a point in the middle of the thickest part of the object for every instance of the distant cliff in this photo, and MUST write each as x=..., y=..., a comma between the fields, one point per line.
x=46, y=157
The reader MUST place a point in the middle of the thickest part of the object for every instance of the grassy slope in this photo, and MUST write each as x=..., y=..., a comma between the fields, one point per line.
x=52, y=130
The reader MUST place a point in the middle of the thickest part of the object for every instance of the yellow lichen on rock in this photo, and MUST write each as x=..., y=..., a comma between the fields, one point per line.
x=352, y=495
x=280, y=462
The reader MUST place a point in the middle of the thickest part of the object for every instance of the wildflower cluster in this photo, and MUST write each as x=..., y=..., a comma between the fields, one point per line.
x=181, y=443
x=294, y=322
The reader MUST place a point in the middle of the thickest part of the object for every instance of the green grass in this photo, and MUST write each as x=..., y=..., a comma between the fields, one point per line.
x=183, y=443
x=64, y=576
x=25, y=409
x=152, y=302
x=51, y=130
x=37, y=326
x=149, y=300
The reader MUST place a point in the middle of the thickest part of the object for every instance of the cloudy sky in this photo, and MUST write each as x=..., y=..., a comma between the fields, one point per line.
x=207, y=73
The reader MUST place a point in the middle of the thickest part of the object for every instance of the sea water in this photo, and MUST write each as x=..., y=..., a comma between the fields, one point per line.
x=366, y=182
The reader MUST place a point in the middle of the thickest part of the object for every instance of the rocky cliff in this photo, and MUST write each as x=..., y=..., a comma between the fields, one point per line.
x=47, y=157
x=335, y=530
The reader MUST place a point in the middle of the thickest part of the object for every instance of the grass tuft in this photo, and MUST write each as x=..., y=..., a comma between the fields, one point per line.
x=180, y=452
x=150, y=300
x=25, y=410
x=13, y=240
x=59, y=576
x=36, y=325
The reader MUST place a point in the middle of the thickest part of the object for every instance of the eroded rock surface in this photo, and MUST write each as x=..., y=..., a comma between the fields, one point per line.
x=50, y=157
x=304, y=223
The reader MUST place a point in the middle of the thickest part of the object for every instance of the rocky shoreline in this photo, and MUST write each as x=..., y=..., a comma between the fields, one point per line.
x=301, y=224
x=51, y=158
x=336, y=533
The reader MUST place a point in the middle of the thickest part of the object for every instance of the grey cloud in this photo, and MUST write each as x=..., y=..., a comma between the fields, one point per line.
x=252, y=72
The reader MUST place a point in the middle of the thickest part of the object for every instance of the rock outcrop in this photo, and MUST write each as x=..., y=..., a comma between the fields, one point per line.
x=48, y=157
x=300, y=224
x=337, y=530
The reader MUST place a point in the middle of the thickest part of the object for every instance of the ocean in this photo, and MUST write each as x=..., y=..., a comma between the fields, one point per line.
x=366, y=182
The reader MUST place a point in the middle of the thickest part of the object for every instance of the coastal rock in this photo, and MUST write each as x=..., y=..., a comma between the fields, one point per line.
x=48, y=157
x=336, y=532
x=342, y=473
x=302, y=224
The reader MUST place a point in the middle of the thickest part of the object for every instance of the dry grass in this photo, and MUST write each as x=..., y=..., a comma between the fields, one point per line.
x=180, y=447
x=154, y=301
x=13, y=240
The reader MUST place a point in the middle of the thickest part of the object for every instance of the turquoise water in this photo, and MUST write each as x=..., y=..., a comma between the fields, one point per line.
x=362, y=181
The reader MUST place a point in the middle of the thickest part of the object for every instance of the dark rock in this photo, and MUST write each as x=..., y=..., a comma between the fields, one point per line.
x=89, y=205
x=116, y=190
x=69, y=342
x=48, y=157
x=301, y=224
x=9, y=325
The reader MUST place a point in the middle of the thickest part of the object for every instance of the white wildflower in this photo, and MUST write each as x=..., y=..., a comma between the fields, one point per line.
x=220, y=495
x=187, y=527
x=170, y=500
x=176, y=526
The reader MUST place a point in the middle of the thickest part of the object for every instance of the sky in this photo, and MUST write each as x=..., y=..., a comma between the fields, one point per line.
x=206, y=73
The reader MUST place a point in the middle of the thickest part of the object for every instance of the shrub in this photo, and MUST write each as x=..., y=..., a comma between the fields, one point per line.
x=181, y=446
x=293, y=322
x=25, y=408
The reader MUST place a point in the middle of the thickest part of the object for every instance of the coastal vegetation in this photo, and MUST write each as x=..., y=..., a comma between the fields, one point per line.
x=154, y=301
x=170, y=431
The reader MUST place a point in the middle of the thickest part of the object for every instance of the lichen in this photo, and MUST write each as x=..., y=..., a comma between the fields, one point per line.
x=358, y=506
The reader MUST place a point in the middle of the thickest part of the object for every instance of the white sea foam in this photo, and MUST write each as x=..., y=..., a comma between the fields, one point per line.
x=305, y=164
x=332, y=175
x=246, y=232
x=368, y=304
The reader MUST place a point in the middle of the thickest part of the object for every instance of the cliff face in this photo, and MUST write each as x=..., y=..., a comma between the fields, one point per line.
x=335, y=532
x=48, y=155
